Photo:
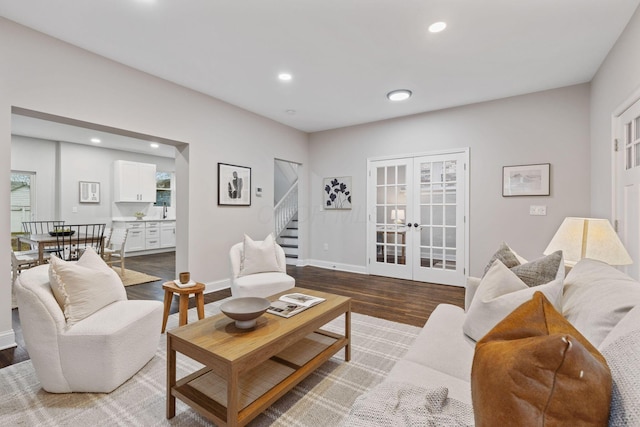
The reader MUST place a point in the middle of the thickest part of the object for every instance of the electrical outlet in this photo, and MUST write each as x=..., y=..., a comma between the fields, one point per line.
x=74, y=209
x=540, y=210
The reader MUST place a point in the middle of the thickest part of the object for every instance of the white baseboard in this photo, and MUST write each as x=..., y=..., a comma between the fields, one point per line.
x=350, y=268
x=217, y=285
x=7, y=339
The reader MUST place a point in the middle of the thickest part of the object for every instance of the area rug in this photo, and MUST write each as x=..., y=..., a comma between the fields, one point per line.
x=131, y=277
x=322, y=399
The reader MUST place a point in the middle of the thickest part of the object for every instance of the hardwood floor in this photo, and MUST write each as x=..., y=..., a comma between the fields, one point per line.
x=397, y=300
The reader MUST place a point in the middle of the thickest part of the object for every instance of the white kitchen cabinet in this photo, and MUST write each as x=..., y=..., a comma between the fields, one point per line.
x=152, y=235
x=148, y=235
x=134, y=182
x=168, y=234
x=136, y=240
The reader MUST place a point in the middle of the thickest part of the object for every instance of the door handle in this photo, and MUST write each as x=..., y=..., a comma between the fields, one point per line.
x=416, y=225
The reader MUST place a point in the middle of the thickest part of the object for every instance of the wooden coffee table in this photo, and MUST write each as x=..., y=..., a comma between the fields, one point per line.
x=246, y=371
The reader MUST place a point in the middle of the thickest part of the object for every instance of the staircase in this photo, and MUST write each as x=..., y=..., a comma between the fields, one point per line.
x=285, y=211
x=288, y=239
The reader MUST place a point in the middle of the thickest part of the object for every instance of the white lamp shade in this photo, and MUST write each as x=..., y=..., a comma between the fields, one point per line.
x=397, y=214
x=592, y=238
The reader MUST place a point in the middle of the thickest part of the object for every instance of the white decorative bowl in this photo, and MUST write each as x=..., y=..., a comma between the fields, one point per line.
x=245, y=311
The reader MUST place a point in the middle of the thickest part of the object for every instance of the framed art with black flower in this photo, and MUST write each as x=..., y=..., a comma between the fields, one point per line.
x=337, y=193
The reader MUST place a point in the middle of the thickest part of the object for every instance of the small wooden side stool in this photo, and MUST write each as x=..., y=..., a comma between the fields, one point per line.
x=171, y=288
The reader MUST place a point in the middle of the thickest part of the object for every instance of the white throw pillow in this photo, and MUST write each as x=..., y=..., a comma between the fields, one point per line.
x=500, y=292
x=84, y=287
x=259, y=257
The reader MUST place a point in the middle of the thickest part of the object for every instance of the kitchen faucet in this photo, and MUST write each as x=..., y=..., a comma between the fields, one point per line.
x=164, y=210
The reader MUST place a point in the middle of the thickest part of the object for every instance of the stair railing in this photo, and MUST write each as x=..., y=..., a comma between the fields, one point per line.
x=286, y=209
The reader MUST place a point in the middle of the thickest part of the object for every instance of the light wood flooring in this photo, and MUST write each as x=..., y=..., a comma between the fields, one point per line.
x=403, y=301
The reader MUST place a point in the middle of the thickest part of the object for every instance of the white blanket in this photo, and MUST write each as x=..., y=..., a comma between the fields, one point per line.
x=401, y=404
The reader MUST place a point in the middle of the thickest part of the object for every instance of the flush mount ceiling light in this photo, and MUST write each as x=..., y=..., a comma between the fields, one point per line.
x=154, y=145
x=436, y=27
x=399, y=95
x=96, y=140
x=290, y=112
x=285, y=77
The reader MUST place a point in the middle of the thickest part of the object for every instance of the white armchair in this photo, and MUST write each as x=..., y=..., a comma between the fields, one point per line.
x=96, y=354
x=261, y=283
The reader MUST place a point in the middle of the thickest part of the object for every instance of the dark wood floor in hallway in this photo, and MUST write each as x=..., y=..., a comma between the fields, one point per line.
x=403, y=301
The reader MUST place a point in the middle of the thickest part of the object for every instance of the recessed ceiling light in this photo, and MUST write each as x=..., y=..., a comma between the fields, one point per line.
x=285, y=77
x=290, y=112
x=96, y=140
x=399, y=95
x=154, y=145
x=436, y=27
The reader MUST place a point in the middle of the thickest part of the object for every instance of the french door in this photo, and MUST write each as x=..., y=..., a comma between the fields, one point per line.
x=627, y=188
x=416, y=218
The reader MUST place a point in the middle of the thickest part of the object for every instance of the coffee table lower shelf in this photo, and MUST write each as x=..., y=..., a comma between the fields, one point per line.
x=262, y=385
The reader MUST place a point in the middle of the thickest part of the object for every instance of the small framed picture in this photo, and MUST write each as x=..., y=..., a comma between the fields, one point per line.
x=337, y=192
x=89, y=192
x=526, y=180
x=234, y=185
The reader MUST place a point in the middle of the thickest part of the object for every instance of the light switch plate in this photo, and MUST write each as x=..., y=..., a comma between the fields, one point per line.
x=537, y=210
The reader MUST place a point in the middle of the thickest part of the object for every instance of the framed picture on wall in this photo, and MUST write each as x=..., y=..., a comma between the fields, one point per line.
x=337, y=193
x=526, y=180
x=234, y=185
x=89, y=192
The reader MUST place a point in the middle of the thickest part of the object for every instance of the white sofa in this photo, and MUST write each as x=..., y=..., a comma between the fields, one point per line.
x=600, y=301
x=96, y=354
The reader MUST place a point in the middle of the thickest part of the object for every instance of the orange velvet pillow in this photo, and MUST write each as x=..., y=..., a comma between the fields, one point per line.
x=535, y=369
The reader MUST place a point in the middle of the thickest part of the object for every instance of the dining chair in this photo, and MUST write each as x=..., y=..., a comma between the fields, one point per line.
x=114, y=247
x=41, y=227
x=75, y=238
x=22, y=260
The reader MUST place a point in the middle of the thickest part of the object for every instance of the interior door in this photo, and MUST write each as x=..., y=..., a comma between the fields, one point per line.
x=627, y=189
x=439, y=207
x=389, y=239
x=416, y=213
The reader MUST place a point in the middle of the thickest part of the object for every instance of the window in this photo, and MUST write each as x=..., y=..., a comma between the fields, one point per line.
x=164, y=186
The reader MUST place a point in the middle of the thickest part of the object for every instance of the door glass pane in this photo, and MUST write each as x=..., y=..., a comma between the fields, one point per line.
x=450, y=171
x=636, y=125
x=425, y=257
x=391, y=174
x=379, y=176
x=425, y=215
x=380, y=196
x=450, y=259
x=438, y=216
x=380, y=214
x=402, y=174
x=425, y=236
x=425, y=194
x=629, y=159
x=437, y=258
x=438, y=236
x=391, y=195
x=425, y=173
x=450, y=237
x=450, y=215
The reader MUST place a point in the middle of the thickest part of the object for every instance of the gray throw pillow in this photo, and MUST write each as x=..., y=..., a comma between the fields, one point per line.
x=505, y=255
x=623, y=358
x=539, y=271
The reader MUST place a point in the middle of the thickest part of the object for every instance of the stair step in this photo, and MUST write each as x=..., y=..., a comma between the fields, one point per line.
x=289, y=245
x=291, y=255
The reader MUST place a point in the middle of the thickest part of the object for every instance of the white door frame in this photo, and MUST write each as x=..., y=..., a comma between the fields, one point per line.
x=465, y=151
x=617, y=156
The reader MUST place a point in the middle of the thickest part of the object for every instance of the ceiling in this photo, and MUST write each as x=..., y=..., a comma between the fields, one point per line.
x=344, y=55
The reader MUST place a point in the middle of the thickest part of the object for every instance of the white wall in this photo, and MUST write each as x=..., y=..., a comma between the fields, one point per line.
x=76, y=163
x=43, y=74
x=545, y=127
x=615, y=81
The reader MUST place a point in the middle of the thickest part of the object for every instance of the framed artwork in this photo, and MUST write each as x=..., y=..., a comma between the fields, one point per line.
x=337, y=193
x=234, y=185
x=89, y=192
x=525, y=180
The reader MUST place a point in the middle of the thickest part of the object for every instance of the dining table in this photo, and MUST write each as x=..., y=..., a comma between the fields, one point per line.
x=45, y=240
